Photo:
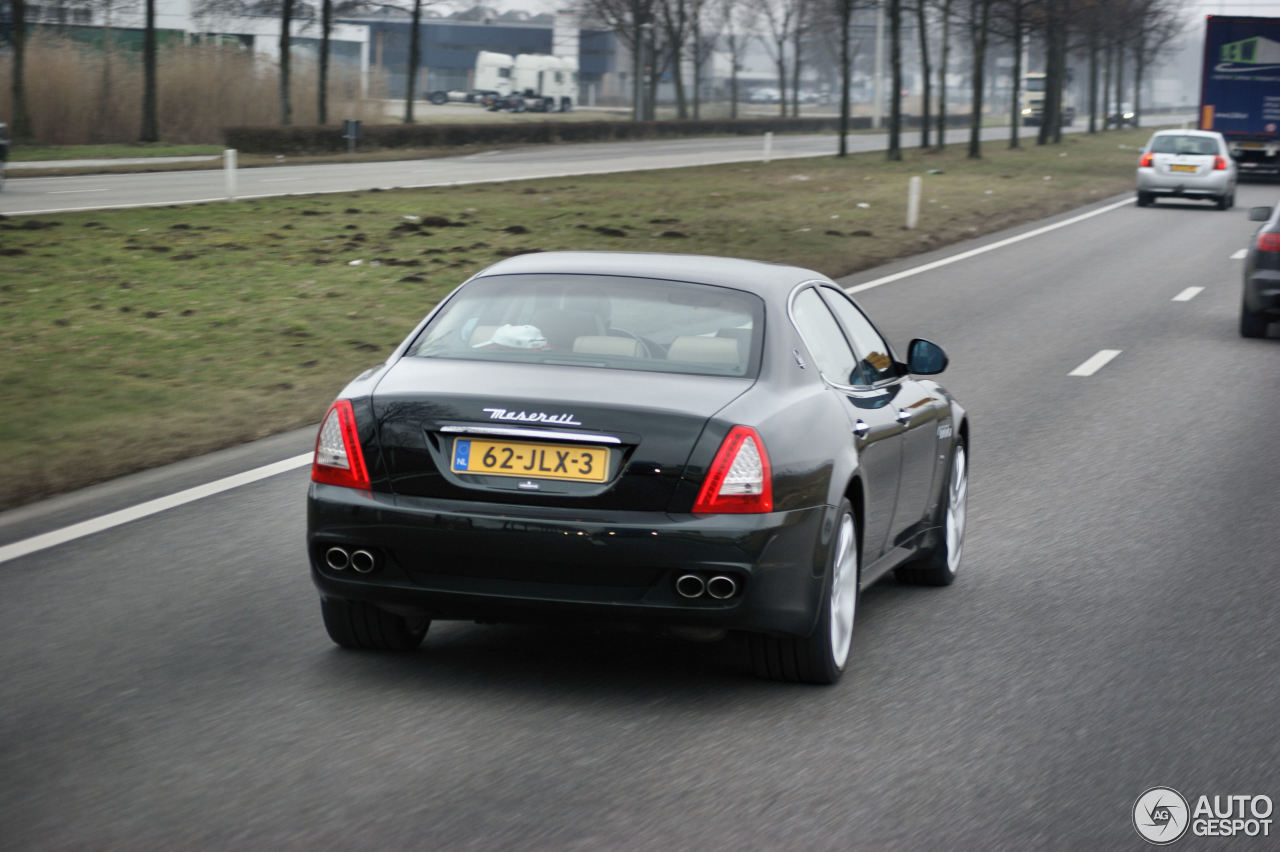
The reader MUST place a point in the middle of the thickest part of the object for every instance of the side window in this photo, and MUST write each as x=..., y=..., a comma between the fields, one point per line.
x=875, y=359
x=822, y=335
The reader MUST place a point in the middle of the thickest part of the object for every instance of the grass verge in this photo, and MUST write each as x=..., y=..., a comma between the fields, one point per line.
x=138, y=337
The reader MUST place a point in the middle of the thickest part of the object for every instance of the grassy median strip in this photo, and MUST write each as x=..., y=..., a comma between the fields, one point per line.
x=137, y=337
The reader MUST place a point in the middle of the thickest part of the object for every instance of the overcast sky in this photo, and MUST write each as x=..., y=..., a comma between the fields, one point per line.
x=1256, y=8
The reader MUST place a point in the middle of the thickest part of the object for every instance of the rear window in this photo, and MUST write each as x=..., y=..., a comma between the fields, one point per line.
x=1176, y=144
x=599, y=321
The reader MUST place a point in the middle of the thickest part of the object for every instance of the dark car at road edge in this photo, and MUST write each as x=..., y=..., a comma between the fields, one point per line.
x=1261, y=304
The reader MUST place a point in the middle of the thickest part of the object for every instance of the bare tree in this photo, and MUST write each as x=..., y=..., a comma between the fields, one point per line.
x=979, y=21
x=675, y=17
x=701, y=48
x=798, y=33
x=1157, y=25
x=286, y=20
x=1013, y=25
x=736, y=20
x=322, y=86
x=632, y=22
x=20, y=121
x=780, y=19
x=415, y=60
x=922, y=33
x=945, y=11
x=895, y=66
x=150, y=120
x=1056, y=21
x=843, y=13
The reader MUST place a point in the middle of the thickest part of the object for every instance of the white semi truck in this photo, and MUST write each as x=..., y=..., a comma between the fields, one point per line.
x=528, y=81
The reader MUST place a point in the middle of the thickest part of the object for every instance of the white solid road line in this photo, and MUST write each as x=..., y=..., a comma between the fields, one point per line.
x=1240, y=255
x=151, y=507
x=965, y=255
x=1188, y=294
x=1096, y=363
x=199, y=492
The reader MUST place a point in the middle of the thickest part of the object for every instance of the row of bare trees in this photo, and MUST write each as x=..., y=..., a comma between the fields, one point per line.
x=670, y=36
x=1106, y=36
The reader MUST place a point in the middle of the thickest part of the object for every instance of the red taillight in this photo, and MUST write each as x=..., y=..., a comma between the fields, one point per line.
x=1219, y=164
x=739, y=481
x=1145, y=162
x=1269, y=242
x=339, y=459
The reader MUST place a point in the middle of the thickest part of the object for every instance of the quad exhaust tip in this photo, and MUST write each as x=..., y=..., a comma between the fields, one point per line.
x=337, y=558
x=363, y=562
x=721, y=587
x=360, y=561
x=690, y=586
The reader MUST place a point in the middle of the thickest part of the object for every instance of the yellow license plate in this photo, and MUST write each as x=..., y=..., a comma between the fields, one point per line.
x=1177, y=168
x=570, y=462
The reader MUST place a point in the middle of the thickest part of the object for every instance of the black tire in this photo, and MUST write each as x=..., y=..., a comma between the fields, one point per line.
x=821, y=656
x=1251, y=324
x=1145, y=199
x=940, y=566
x=1224, y=201
x=438, y=98
x=355, y=624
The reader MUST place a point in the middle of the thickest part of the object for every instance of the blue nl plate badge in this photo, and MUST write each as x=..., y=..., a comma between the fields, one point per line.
x=461, y=454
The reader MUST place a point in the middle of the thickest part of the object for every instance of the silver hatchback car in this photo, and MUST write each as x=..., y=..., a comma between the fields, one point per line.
x=1187, y=164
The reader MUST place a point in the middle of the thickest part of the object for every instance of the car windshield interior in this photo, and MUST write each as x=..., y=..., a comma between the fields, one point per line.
x=598, y=321
x=1173, y=144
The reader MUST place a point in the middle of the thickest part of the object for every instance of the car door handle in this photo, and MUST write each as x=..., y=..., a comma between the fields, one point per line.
x=904, y=416
x=861, y=429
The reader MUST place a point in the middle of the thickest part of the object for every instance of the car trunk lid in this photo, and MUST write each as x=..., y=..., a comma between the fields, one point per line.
x=542, y=434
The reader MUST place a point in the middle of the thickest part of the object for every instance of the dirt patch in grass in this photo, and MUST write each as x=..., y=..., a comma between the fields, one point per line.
x=139, y=337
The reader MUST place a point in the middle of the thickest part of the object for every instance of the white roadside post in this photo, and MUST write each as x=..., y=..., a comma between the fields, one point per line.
x=768, y=145
x=229, y=171
x=913, y=201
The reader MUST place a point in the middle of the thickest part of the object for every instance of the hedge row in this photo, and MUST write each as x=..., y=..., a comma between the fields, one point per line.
x=329, y=139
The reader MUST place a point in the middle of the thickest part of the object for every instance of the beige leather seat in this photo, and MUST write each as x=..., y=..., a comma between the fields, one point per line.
x=596, y=344
x=704, y=350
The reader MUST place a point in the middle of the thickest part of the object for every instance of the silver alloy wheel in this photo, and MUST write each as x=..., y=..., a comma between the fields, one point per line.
x=957, y=498
x=844, y=590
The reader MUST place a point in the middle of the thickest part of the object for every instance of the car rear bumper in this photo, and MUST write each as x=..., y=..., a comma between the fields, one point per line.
x=1186, y=186
x=455, y=560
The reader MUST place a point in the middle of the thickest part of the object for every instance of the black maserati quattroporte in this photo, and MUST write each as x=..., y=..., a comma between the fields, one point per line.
x=683, y=441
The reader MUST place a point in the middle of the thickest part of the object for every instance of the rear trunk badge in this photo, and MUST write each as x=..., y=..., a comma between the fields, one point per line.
x=528, y=485
x=565, y=419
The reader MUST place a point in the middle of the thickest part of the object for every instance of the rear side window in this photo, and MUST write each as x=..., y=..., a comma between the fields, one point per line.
x=1172, y=143
x=599, y=321
x=824, y=339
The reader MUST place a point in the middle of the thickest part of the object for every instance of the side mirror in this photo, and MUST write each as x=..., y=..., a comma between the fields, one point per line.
x=925, y=358
x=1259, y=214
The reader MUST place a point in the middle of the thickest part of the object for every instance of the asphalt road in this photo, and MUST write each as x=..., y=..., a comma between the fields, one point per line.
x=36, y=195
x=168, y=683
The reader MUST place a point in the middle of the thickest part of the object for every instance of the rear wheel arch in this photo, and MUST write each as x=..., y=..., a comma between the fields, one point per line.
x=854, y=493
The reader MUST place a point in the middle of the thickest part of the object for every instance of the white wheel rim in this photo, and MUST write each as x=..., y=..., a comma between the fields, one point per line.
x=844, y=590
x=957, y=499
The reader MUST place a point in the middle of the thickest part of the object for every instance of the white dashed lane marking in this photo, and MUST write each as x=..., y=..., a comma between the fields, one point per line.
x=1188, y=294
x=1096, y=363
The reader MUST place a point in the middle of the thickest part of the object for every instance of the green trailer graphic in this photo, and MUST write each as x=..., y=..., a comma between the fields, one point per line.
x=1253, y=51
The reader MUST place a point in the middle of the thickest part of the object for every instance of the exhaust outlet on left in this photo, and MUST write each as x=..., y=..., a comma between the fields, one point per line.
x=340, y=559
